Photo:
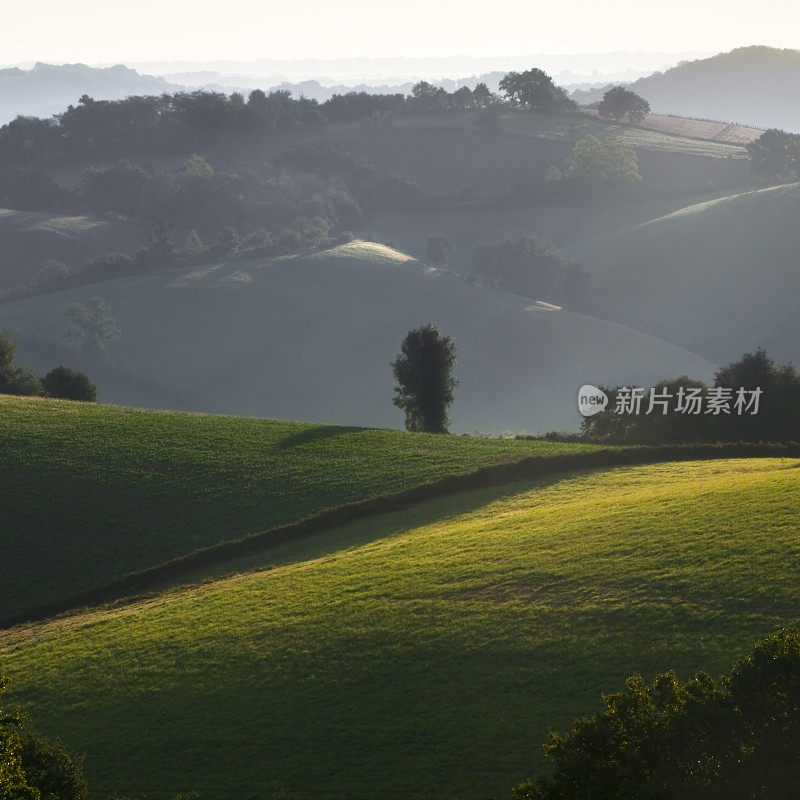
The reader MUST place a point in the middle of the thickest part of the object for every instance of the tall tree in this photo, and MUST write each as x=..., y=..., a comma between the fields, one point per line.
x=424, y=373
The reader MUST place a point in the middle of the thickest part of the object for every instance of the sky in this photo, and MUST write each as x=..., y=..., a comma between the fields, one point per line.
x=125, y=31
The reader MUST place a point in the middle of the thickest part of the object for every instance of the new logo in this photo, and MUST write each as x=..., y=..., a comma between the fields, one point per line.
x=591, y=400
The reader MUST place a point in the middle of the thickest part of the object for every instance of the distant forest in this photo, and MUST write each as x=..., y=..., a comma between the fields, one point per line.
x=173, y=122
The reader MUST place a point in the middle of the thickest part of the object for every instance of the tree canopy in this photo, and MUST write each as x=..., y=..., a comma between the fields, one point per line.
x=534, y=89
x=609, y=161
x=619, y=102
x=736, y=738
x=775, y=155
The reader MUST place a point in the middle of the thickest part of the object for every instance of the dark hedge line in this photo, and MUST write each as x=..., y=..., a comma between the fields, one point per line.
x=495, y=475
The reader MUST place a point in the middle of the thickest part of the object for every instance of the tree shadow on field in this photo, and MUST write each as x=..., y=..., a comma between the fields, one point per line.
x=314, y=435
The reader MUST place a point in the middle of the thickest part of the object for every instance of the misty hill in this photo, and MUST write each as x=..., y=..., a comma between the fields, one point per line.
x=718, y=277
x=30, y=238
x=752, y=85
x=48, y=89
x=311, y=337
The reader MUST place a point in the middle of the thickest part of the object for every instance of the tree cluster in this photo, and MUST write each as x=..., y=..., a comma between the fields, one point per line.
x=777, y=419
x=62, y=382
x=530, y=266
x=171, y=122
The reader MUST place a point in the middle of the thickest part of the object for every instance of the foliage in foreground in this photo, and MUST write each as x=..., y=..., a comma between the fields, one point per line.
x=733, y=739
x=31, y=766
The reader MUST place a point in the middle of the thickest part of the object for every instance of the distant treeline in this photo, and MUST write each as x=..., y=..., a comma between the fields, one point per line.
x=173, y=122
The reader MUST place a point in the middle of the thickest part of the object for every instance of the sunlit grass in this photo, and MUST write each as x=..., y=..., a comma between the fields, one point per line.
x=425, y=653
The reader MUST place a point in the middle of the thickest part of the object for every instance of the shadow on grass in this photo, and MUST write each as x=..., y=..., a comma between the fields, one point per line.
x=313, y=435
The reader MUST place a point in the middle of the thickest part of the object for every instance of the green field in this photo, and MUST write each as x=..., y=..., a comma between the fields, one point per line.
x=92, y=492
x=419, y=654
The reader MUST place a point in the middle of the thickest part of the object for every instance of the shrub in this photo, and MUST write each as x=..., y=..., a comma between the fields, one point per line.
x=69, y=384
x=733, y=739
x=52, y=769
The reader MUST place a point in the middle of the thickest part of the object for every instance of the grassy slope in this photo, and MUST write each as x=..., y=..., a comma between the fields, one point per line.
x=90, y=493
x=422, y=654
x=718, y=277
x=311, y=337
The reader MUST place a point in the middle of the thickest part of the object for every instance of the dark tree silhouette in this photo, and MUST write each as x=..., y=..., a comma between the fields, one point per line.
x=733, y=739
x=620, y=102
x=423, y=371
x=775, y=155
x=66, y=383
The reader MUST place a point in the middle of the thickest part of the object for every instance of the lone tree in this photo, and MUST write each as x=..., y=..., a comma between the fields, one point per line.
x=534, y=89
x=438, y=250
x=620, y=102
x=603, y=162
x=424, y=372
x=90, y=324
x=775, y=155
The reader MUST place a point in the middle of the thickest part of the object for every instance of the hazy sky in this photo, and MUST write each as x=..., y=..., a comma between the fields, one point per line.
x=101, y=31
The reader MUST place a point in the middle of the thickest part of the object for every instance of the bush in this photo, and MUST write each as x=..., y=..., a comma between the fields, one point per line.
x=610, y=161
x=65, y=383
x=52, y=769
x=733, y=739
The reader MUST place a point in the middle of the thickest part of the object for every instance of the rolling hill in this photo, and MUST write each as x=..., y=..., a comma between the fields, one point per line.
x=718, y=278
x=426, y=652
x=311, y=337
x=30, y=238
x=93, y=493
x=49, y=88
x=752, y=85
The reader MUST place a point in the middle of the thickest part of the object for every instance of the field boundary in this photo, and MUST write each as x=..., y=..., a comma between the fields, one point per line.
x=531, y=467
